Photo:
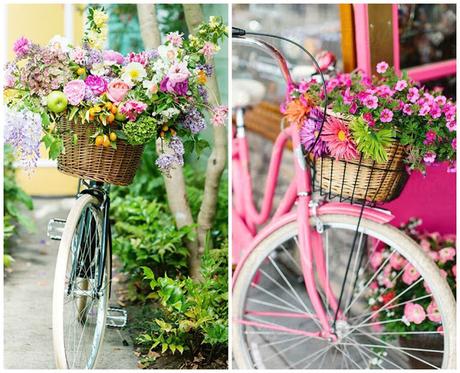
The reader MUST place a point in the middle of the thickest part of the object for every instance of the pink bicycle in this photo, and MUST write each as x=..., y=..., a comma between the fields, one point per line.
x=301, y=284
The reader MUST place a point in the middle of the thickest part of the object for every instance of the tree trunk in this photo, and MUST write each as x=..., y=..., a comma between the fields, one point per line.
x=218, y=158
x=148, y=25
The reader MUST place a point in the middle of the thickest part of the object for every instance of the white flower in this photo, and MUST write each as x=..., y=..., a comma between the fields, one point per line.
x=151, y=87
x=170, y=112
x=100, y=18
x=167, y=53
x=405, y=321
x=371, y=301
x=159, y=65
x=99, y=69
x=60, y=42
x=133, y=72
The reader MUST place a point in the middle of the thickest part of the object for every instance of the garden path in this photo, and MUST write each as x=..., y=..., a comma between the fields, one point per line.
x=27, y=300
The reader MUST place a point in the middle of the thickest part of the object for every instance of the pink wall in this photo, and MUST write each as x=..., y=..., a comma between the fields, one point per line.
x=432, y=197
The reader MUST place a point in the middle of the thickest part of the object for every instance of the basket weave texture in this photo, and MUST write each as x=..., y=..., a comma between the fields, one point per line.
x=97, y=163
x=363, y=179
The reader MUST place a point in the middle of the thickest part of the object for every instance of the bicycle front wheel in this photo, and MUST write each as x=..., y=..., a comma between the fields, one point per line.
x=79, y=308
x=275, y=326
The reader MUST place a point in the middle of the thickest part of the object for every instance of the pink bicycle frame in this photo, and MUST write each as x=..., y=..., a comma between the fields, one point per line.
x=246, y=218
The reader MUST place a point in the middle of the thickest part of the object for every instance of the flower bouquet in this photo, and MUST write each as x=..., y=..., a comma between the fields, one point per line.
x=417, y=310
x=377, y=129
x=97, y=108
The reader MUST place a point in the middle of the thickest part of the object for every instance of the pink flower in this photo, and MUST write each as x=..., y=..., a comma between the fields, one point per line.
x=117, y=90
x=397, y=261
x=208, y=49
x=371, y=102
x=435, y=111
x=410, y=274
x=440, y=329
x=451, y=125
x=430, y=137
x=400, y=85
x=425, y=244
x=336, y=135
x=454, y=270
x=178, y=73
x=386, y=116
x=9, y=79
x=353, y=108
x=112, y=57
x=219, y=116
x=433, y=255
x=75, y=91
x=141, y=58
x=433, y=312
x=97, y=84
x=78, y=55
x=413, y=95
x=376, y=259
x=347, y=97
x=132, y=109
x=452, y=168
x=175, y=38
x=429, y=157
x=454, y=143
x=369, y=119
x=382, y=67
x=424, y=110
x=414, y=313
x=384, y=91
x=407, y=109
x=446, y=254
x=22, y=46
x=440, y=100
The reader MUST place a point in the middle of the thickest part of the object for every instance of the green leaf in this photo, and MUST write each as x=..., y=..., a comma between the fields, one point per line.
x=73, y=111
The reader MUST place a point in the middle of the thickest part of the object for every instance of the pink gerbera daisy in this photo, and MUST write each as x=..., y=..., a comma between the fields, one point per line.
x=336, y=135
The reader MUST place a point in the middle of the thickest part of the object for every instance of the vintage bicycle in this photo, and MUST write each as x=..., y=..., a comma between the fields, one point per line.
x=300, y=287
x=82, y=280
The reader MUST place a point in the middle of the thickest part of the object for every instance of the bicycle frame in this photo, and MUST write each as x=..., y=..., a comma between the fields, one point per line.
x=246, y=218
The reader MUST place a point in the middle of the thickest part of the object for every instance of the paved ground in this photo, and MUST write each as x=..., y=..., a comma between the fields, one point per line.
x=27, y=300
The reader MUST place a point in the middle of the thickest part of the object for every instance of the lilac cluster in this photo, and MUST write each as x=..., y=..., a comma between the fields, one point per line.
x=93, y=57
x=177, y=147
x=206, y=68
x=203, y=92
x=166, y=161
x=23, y=132
x=194, y=121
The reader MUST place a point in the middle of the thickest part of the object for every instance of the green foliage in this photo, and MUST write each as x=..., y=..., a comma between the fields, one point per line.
x=194, y=313
x=141, y=131
x=14, y=199
x=370, y=142
x=171, y=18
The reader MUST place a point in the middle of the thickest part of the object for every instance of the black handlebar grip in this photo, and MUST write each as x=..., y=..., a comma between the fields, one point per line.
x=238, y=32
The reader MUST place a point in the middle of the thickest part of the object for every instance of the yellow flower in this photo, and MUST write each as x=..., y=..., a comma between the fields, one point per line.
x=100, y=18
x=202, y=77
x=213, y=22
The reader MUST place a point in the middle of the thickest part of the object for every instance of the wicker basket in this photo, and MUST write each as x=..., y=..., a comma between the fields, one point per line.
x=87, y=161
x=362, y=179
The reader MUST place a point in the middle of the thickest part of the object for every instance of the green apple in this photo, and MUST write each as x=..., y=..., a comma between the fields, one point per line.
x=120, y=117
x=56, y=101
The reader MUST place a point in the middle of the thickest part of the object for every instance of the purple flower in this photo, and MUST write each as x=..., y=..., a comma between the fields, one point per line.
x=413, y=95
x=400, y=85
x=203, y=93
x=347, y=97
x=176, y=145
x=165, y=162
x=97, y=84
x=22, y=46
x=310, y=131
x=371, y=102
x=94, y=56
x=23, y=130
x=208, y=70
x=180, y=88
x=382, y=67
x=194, y=121
x=386, y=116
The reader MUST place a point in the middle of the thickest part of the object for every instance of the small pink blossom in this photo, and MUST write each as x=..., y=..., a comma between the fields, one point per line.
x=353, y=108
x=384, y=91
x=440, y=100
x=75, y=91
x=386, y=116
x=112, y=57
x=397, y=261
x=454, y=143
x=433, y=312
x=435, y=111
x=425, y=244
x=440, y=330
x=175, y=38
x=219, y=116
x=434, y=255
x=347, y=97
x=413, y=95
x=117, y=90
x=407, y=109
x=382, y=67
x=424, y=110
x=400, y=85
x=376, y=259
x=369, y=119
x=22, y=46
x=452, y=168
x=132, y=109
x=454, y=270
x=78, y=55
x=429, y=158
x=414, y=313
x=208, y=49
x=446, y=254
x=430, y=137
x=451, y=125
x=410, y=274
x=178, y=73
x=371, y=102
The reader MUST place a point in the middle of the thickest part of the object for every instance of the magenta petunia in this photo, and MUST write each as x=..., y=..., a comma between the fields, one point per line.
x=386, y=116
x=430, y=137
x=371, y=102
x=382, y=67
x=400, y=85
x=413, y=95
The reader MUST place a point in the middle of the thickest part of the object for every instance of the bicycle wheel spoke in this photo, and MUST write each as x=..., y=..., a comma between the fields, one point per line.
x=258, y=301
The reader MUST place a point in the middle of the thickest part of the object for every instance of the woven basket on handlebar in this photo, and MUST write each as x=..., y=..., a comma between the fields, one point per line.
x=87, y=161
x=362, y=179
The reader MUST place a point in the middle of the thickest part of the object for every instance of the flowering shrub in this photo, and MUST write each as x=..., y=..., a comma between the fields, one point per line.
x=420, y=311
x=383, y=109
x=138, y=98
